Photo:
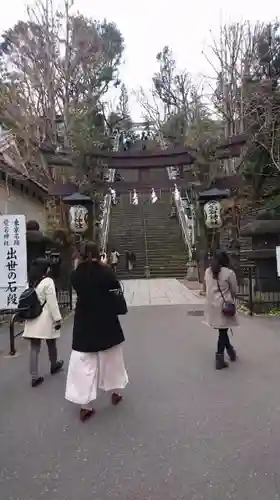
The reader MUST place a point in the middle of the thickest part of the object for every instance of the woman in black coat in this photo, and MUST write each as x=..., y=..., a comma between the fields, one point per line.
x=96, y=360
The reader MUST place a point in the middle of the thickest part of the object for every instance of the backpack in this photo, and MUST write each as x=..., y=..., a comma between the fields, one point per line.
x=29, y=306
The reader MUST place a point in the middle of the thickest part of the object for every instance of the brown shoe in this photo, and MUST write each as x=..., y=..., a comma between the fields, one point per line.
x=116, y=398
x=86, y=413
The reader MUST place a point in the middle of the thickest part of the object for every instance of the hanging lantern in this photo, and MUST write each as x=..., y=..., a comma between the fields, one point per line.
x=78, y=218
x=154, y=197
x=134, y=198
x=212, y=214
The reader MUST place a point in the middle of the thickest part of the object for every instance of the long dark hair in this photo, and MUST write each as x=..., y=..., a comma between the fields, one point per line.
x=38, y=271
x=89, y=251
x=220, y=259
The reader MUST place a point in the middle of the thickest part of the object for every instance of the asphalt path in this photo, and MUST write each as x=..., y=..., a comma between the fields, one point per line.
x=183, y=432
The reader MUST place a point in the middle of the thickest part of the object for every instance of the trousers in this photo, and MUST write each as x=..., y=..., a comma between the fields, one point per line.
x=35, y=346
x=223, y=341
x=88, y=372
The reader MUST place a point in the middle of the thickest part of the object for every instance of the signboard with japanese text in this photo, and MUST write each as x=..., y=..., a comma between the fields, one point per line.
x=13, y=260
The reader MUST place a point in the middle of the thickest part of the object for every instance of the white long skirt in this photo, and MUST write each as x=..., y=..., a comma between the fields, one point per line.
x=89, y=372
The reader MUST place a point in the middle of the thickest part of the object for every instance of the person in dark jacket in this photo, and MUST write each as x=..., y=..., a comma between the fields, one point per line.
x=130, y=258
x=96, y=360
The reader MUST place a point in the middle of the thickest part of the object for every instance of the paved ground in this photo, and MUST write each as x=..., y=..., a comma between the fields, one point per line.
x=183, y=432
x=155, y=292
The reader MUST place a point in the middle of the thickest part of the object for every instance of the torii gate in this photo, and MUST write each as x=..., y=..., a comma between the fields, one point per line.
x=144, y=160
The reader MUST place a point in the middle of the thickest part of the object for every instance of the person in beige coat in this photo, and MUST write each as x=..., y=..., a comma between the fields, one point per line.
x=221, y=287
x=47, y=325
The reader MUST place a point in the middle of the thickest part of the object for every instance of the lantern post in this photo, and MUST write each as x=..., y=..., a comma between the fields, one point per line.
x=210, y=224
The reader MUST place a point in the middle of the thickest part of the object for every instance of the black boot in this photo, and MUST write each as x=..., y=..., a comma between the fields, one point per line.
x=37, y=381
x=220, y=362
x=231, y=353
x=57, y=367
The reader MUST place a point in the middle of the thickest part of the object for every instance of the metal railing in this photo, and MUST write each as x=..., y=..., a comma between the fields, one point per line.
x=106, y=222
x=13, y=335
x=259, y=294
x=107, y=204
x=147, y=267
x=187, y=225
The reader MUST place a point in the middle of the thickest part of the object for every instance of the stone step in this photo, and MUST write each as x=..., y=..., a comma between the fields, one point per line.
x=167, y=256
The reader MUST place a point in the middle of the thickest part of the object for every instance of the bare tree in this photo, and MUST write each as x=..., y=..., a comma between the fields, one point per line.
x=123, y=106
x=173, y=101
x=117, y=113
x=170, y=86
x=56, y=66
x=236, y=64
x=153, y=111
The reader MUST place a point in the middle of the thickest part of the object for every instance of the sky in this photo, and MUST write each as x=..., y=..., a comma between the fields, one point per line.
x=148, y=25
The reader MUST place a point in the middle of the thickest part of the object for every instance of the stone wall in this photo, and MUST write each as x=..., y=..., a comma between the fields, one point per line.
x=14, y=201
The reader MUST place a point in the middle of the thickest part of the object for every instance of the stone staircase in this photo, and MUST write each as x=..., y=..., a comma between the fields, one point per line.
x=126, y=233
x=147, y=230
x=167, y=256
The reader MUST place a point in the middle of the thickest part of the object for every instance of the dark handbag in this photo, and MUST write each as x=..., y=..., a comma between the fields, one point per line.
x=119, y=302
x=228, y=308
